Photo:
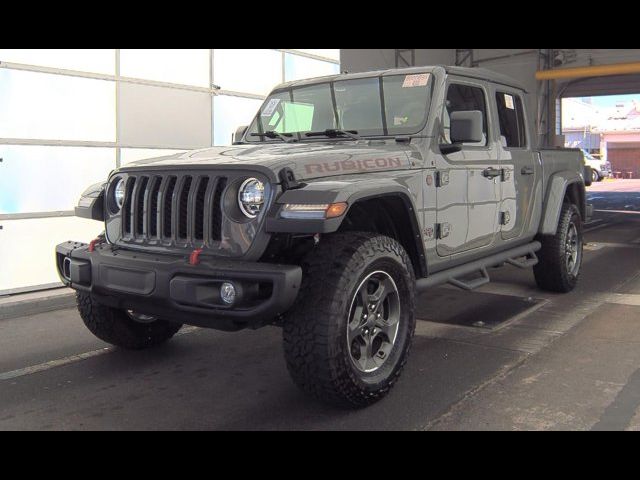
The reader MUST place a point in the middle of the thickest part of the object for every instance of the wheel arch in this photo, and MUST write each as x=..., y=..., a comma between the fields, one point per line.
x=563, y=186
x=392, y=214
x=391, y=206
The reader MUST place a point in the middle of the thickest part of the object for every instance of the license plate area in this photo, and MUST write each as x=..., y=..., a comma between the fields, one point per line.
x=127, y=280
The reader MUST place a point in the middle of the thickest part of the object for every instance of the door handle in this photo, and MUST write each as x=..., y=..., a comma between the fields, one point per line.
x=491, y=172
x=527, y=171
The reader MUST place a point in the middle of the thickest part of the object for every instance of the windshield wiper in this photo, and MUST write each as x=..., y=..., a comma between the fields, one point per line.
x=334, y=133
x=285, y=137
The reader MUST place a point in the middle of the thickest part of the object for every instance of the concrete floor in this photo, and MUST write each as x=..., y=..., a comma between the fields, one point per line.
x=537, y=361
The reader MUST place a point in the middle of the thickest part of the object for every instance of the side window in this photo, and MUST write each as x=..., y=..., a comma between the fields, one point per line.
x=465, y=98
x=513, y=132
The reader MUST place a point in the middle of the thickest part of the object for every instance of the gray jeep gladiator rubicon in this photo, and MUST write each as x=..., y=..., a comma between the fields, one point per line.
x=345, y=197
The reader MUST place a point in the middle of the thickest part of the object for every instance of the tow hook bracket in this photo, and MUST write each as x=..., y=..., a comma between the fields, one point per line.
x=93, y=243
x=194, y=258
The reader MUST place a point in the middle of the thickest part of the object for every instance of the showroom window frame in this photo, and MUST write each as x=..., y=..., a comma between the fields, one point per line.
x=118, y=79
x=115, y=77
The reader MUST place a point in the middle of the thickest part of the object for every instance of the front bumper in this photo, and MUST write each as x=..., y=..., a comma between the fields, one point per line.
x=169, y=287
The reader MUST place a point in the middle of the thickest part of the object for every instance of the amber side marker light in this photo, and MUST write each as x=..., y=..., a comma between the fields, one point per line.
x=336, y=209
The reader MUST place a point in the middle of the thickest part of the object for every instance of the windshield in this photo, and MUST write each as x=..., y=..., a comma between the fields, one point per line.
x=372, y=106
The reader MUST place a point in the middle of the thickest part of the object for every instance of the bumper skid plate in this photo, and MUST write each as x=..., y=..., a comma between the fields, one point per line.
x=169, y=287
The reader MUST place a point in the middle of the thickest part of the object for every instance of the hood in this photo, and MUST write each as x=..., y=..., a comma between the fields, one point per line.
x=307, y=160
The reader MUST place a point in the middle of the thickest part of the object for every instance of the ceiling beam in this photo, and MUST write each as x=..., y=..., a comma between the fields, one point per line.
x=593, y=71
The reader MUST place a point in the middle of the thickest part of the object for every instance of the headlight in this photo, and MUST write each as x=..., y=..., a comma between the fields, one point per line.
x=118, y=194
x=251, y=197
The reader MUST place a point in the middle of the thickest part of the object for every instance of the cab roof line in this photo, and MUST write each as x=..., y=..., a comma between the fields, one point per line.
x=476, y=73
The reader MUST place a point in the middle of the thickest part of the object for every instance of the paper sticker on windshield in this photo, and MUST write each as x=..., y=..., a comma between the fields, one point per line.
x=271, y=106
x=508, y=101
x=418, y=80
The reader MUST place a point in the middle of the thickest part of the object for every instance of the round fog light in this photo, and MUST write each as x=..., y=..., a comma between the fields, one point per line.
x=228, y=293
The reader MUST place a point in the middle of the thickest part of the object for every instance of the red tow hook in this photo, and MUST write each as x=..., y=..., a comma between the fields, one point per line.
x=94, y=242
x=194, y=258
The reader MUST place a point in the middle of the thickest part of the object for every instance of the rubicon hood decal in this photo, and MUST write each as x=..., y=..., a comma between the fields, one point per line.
x=358, y=165
x=307, y=160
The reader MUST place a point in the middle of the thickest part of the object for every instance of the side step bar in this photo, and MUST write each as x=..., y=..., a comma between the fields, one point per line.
x=455, y=274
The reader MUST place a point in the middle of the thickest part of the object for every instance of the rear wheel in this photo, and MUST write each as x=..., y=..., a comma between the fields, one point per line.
x=348, y=337
x=123, y=328
x=561, y=255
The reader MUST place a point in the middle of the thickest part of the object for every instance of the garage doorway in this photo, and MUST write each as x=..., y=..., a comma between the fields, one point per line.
x=607, y=129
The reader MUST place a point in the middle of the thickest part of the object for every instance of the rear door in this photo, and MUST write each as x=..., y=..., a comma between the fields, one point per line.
x=467, y=198
x=518, y=162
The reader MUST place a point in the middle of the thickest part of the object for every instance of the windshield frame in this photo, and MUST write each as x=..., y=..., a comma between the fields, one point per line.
x=299, y=136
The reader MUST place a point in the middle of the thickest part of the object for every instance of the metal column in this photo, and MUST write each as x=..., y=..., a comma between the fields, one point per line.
x=545, y=114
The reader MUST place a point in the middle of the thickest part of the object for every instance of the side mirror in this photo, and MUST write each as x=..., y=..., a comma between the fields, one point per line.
x=239, y=133
x=466, y=127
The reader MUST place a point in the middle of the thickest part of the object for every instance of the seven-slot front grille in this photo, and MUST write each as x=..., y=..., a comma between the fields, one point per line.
x=172, y=208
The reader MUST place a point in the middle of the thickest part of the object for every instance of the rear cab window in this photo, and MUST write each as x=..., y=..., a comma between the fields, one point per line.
x=513, y=131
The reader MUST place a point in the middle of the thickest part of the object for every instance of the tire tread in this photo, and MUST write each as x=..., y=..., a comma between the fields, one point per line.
x=550, y=272
x=115, y=327
x=309, y=332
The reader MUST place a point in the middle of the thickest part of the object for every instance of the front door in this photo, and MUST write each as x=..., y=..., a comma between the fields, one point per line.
x=468, y=198
x=518, y=164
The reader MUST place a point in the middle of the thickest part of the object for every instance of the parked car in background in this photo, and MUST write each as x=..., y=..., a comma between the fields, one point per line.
x=600, y=168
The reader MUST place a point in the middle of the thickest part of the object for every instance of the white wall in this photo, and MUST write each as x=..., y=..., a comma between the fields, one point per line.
x=60, y=124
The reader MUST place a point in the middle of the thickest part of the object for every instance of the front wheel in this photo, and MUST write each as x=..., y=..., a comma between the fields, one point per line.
x=348, y=337
x=121, y=328
x=561, y=255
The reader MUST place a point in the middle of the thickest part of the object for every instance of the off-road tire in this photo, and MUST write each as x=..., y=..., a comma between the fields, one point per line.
x=114, y=326
x=315, y=330
x=551, y=272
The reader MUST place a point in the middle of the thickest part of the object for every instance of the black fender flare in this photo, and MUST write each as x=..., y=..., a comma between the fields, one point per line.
x=351, y=195
x=559, y=183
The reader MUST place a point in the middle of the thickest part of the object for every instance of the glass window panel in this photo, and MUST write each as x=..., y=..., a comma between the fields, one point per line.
x=184, y=66
x=42, y=179
x=511, y=120
x=85, y=60
x=303, y=110
x=162, y=117
x=358, y=102
x=298, y=117
x=245, y=70
x=465, y=98
x=128, y=155
x=229, y=113
x=346, y=104
x=332, y=53
x=39, y=237
x=47, y=106
x=297, y=67
x=406, y=104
